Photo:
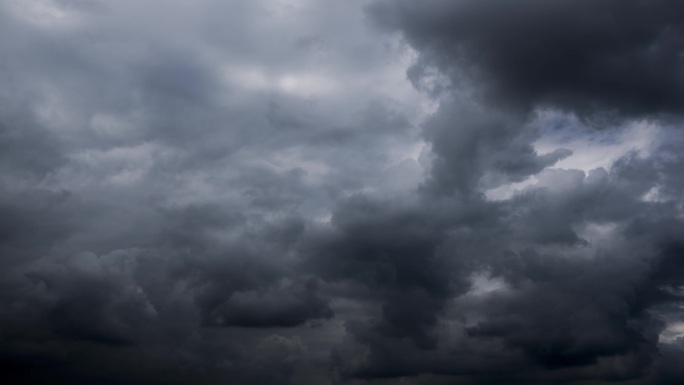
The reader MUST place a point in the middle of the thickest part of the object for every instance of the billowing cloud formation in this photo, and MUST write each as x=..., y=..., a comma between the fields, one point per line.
x=365, y=192
x=601, y=56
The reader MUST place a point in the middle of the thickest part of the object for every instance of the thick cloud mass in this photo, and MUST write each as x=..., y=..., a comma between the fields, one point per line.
x=361, y=192
x=601, y=56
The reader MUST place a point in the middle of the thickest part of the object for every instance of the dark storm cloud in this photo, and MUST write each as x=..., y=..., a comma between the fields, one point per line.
x=477, y=148
x=148, y=301
x=31, y=222
x=236, y=192
x=27, y=149
x=245, y=282
x=280, y=306
x=600, y=56
x=158, y=174
x=393, y=251
x=572, y=304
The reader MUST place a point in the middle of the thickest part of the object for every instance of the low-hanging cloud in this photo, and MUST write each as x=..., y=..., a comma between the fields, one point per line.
x=292, y=192
x=604, y=56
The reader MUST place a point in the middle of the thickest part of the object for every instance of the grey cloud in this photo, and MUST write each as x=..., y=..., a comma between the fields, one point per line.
x=476, y=148
x=599, y=57
x=571, y=305
x=252, y=192
x=283, y=306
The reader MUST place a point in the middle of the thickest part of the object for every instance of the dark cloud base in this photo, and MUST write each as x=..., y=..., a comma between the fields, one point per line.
x=601, y=57
x=189, y=197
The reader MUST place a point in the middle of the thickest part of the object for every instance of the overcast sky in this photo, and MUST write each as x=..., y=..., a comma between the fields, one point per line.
x=357, y=192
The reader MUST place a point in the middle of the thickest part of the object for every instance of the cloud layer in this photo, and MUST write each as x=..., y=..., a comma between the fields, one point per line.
x=365, y=192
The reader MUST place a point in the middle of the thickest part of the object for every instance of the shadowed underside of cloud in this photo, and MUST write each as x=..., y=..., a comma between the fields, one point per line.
x=292, y=192
x=606, y=56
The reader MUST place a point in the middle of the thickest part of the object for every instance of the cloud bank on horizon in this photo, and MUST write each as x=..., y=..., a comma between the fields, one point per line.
x=362, y=192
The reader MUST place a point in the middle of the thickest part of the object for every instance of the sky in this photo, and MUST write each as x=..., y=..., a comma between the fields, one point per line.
x=359, y=192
